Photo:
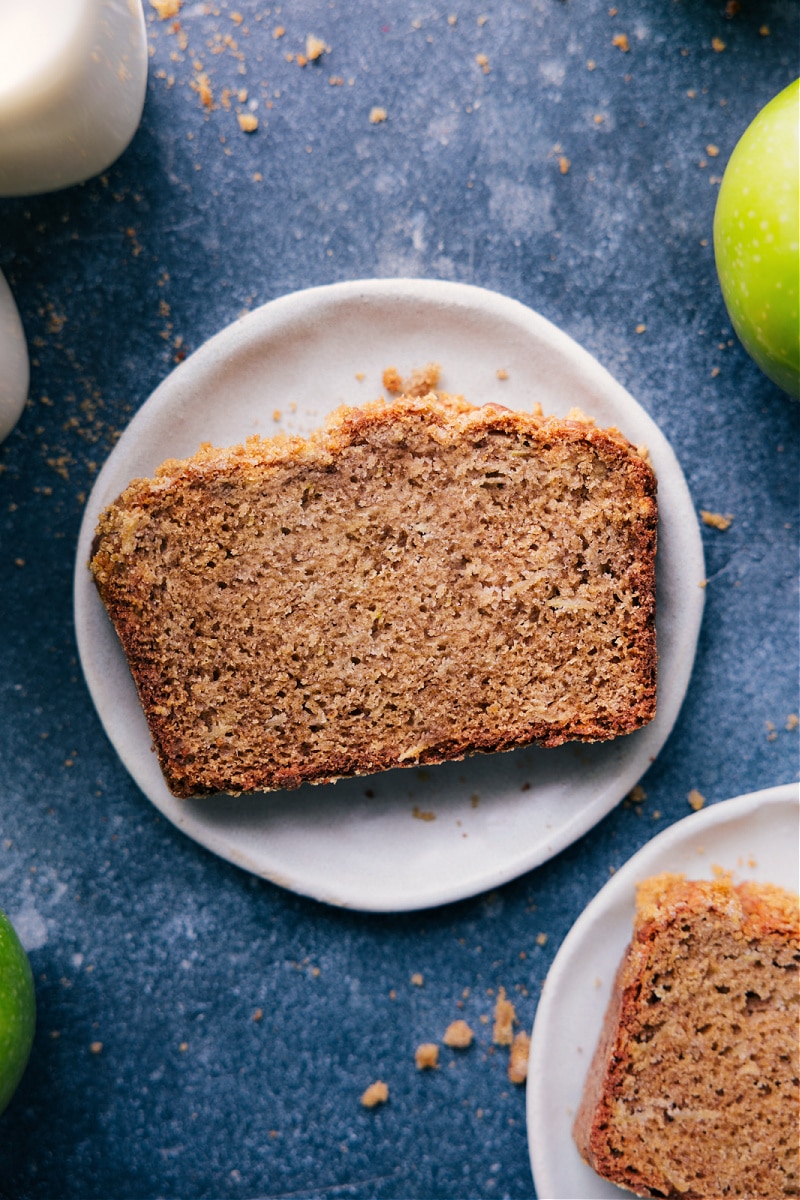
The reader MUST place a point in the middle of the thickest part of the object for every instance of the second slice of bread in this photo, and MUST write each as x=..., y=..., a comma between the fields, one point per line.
x=418, y=581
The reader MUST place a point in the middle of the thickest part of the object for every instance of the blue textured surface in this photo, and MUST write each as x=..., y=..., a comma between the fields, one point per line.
x=139, y=939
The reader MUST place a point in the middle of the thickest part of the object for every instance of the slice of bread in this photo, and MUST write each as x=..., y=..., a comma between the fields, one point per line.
x=693, y=1089
x=418, y=581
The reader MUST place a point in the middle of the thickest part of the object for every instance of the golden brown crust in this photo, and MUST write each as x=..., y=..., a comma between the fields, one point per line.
x=367, y=515
x=693, y=1088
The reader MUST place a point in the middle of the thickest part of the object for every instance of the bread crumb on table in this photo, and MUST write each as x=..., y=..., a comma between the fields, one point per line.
x=518, y=1059
x=426, y=1056
x=504, y=1018
x=716, y=520
x=248, y=122
x=377, y=115
x=315, y=48
x=418, y=979
x=696, y=800
x=377, y=1093
x=458, y=1035
x=166, y=8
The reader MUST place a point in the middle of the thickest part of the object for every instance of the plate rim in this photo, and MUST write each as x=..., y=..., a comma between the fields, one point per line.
x=255, y=328
x=644, y=860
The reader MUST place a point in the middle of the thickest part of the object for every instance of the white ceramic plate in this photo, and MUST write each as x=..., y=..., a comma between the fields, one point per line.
x=301, y=355
x=755, y=837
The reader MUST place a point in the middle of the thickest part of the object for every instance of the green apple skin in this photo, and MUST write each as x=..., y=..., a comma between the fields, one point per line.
x=757, y=235
x=17, y=1010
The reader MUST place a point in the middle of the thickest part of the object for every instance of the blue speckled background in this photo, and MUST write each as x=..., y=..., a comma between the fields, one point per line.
x=567, y=172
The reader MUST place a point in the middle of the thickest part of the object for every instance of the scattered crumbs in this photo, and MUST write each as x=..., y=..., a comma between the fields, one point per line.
x=277, y=414
x=96, y=1047
x=518, y=1059
x=184, y=1046
x=426, y=1056
x=716, y=520
x=360, y=376
x=541, y=939
x=656, y=814
x=482, y=19
x=458, y=1035
x=377, y=115
x=392, y=381
x=474, y=800
x=202, y=86
x=637, y=794
x=258, y=1014
x=278, y=32
x=599, y=118
x=764, y=30
x=315, y=48
x=620, y=40
x=502, y=373
x=712, y=151
x=452, y=19
x=248, y=122
x=483, y=63
x=696, y=800
x=717, y=44
x=792, y=722
x=504, y=1019
x=591, y=64
x=526, y=787
x=377, y=1093
x=598, y=983
x=564, y=164
x=392, y=994
x=418, y=979
x=421, y=815
x=166, y=8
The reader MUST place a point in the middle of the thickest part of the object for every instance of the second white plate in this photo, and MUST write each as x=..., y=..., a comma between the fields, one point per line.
x=754, y=837
x=406, y=839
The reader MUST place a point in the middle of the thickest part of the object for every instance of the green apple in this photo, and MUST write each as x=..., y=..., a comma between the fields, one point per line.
x=17, y=1010
x=757, y=239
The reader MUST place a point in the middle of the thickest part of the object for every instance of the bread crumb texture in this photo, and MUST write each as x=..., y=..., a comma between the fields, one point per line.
x=418, y=581
x=518, y=1058
x=693, y=1090
x=458, y=1035
x=426, y=1056
x=377, y=1093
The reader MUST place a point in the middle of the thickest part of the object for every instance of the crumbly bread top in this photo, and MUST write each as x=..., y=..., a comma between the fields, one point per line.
x=693, y=1091
x=418, y=580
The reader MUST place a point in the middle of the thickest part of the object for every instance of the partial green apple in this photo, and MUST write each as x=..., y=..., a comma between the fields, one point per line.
x=17, y=1010
x=757, y=238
